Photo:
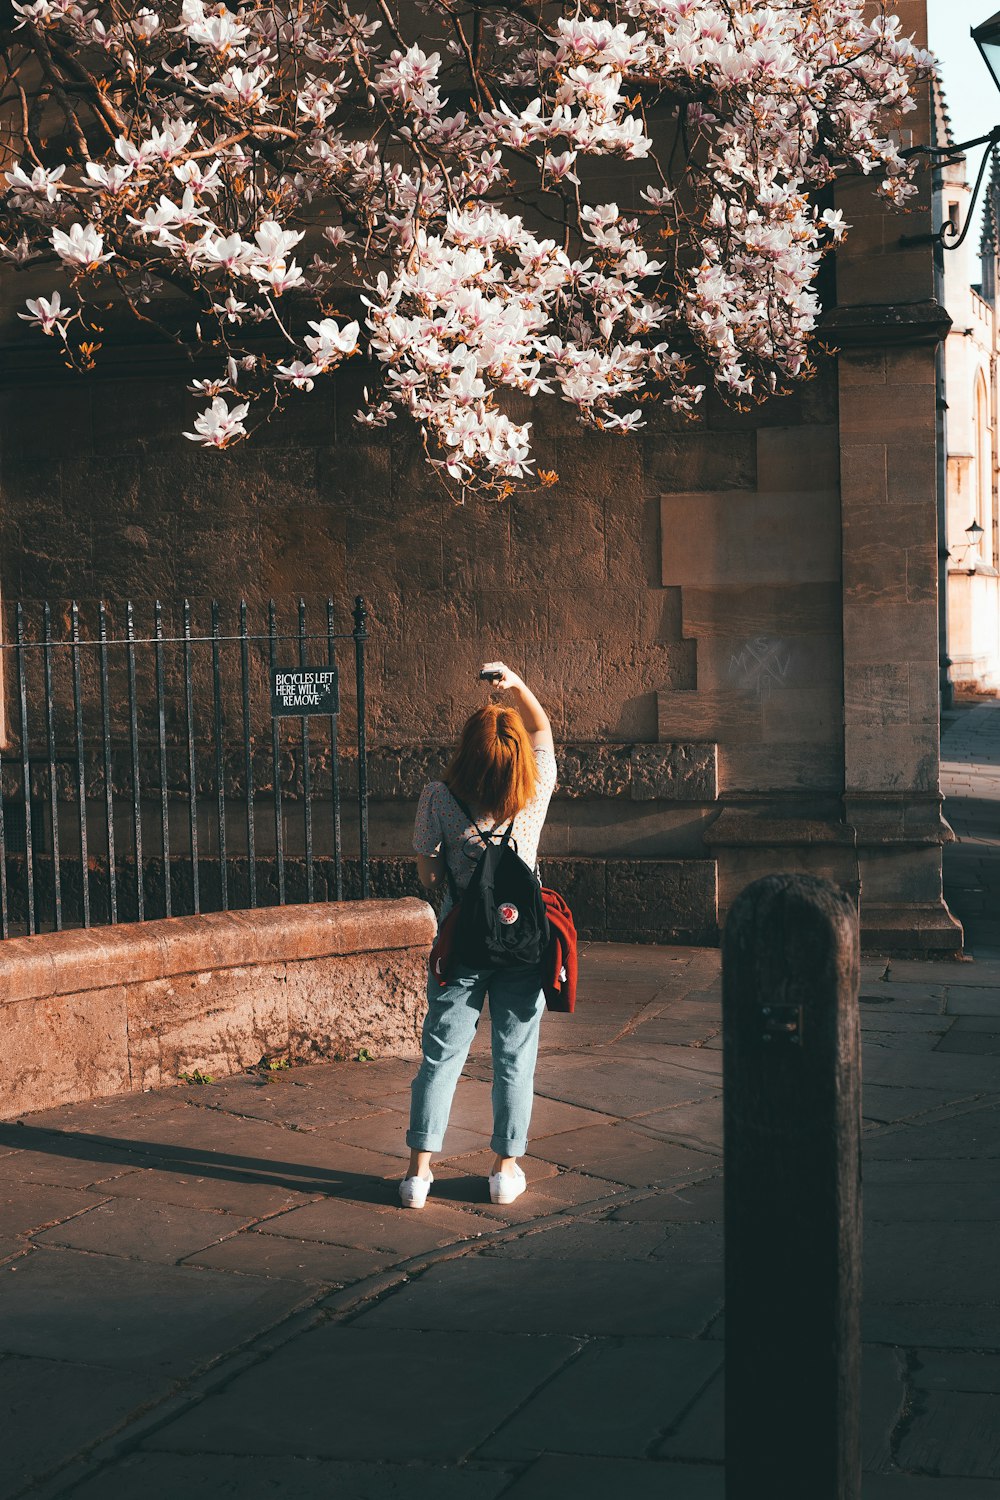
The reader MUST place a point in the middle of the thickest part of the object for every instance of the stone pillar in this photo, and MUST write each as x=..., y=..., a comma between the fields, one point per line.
x=887, y=325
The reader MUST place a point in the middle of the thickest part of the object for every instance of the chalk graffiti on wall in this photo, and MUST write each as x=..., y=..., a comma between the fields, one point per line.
x=761, y=665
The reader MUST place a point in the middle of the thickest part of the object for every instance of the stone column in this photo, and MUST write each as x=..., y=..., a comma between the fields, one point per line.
x=887, y=325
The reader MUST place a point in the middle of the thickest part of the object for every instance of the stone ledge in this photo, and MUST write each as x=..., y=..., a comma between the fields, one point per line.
x=124, y=1009
x=667, y=771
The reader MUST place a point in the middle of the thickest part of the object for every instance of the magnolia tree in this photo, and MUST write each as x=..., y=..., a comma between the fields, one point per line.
x=290, y=183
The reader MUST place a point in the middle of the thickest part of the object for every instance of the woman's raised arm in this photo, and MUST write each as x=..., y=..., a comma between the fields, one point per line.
x=536, y=720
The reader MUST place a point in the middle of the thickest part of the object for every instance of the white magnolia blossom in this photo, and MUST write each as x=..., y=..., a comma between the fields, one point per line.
x=48, y=314
x=299, y=185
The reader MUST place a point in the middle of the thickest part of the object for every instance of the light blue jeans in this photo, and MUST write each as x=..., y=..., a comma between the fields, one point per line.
x=516, y=1005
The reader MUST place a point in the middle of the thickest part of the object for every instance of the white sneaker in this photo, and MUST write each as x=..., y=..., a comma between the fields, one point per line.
x=413, y=1191
x=506, y=1186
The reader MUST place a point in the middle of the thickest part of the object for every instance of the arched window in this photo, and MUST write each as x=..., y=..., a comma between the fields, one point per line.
x=984, y=471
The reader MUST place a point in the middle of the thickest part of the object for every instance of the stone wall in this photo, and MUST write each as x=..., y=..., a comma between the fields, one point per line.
x=568, y=583
x=130, y=1008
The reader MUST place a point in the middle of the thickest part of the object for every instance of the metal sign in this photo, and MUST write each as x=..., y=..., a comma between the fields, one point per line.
x=297, y=692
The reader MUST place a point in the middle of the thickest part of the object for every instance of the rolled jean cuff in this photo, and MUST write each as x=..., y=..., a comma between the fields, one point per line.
x=509, y=1148
x=422, y=1140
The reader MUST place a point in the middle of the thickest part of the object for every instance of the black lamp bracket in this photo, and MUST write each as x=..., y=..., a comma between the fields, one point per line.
x=949, y=236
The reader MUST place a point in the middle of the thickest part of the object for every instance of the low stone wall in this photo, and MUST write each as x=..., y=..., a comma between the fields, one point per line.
x=120, y=1009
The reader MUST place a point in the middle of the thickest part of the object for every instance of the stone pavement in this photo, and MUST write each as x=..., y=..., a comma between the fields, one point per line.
x=210, y=1291
x=970, y=780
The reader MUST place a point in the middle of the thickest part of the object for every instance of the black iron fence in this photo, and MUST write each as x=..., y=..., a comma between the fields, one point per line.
x=167, y=760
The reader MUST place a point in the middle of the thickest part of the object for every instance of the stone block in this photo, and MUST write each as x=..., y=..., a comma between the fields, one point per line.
x=373, y=1001
x=594, y=771
x=59, y=1049
x=863, y=475
x=576, y=614
x=217, y=1020
x=558, y=540
x=764, y=663
x=747, y=767
x=674, y=773
x=861, y=367
x=899, y=632
x=877, y=693
x=724, y=539
x=891, y=757
x=721, y=714
x=701, y=460
x=902, y=413
x=802, y=715
x=798, y=458
x=518, y=616
x=922, y=573
x=671, y=900
x=583, y=885
x=775, y=610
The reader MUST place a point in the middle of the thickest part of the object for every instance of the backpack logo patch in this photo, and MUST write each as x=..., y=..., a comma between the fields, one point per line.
x=508, y=913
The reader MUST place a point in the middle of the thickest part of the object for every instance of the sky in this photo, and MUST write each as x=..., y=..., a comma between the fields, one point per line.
x=973, y=97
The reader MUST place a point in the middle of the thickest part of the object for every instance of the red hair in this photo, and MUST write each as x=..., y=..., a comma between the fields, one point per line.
x=494, y=766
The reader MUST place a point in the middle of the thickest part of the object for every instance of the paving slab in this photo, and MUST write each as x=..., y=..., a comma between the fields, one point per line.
x=937, y=1371
x=595, y=1479
x=974, y=1133
x=624, y=1154
x=63, y=1161
x=621, y=1088
x=692, y=1124
x=584, y=1239
x=487, y=1293
x=273, y=1255
x=223, y=1188
x=955, y=1433
x=615, y=1398
x=923, y=1201
x=376, y=1226
x=206, y=1476
x=949, y=1325
x=974, y=1002
x=66, y=1305
x=884, y=1104
x=28, y=1207
x=159, y=1232
x=356, y=1392
x=86, y=1401
x=939, y=1261
x=919, y=1487
x=696, y=1202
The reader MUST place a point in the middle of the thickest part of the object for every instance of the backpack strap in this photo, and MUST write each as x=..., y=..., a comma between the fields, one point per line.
x=487, y=838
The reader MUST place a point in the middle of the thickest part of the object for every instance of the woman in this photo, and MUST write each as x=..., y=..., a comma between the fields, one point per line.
x=504, y=767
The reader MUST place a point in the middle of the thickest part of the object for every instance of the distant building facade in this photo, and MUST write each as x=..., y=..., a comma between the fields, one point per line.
x=972, y=519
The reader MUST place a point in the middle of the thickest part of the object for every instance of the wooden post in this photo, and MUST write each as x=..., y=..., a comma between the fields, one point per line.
x=792, y=1080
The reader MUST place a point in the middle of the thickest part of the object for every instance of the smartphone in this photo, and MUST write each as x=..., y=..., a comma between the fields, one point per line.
x=490, y=676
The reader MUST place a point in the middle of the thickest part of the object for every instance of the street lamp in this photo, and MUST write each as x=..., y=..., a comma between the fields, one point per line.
x=973, y=532
x=987, y=38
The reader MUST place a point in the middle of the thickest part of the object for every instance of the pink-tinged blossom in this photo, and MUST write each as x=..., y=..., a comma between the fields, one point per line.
x=47, y=313
x=43, y=182
x=218, y=425
x=452, y=195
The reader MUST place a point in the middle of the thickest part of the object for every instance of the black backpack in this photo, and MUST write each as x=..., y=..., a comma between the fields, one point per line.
x=501, y=922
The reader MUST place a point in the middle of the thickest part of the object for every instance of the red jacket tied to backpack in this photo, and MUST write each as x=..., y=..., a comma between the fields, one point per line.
x=559, y=963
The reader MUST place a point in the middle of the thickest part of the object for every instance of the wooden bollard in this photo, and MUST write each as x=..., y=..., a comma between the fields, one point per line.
x=792, y=1089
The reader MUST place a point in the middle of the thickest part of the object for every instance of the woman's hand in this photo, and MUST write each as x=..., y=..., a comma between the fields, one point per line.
x=507, y=678
x=536, y=720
